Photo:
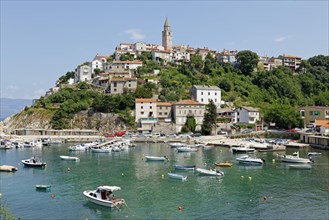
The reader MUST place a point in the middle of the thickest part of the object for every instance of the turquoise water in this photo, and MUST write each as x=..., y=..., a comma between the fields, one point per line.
x=150, y=194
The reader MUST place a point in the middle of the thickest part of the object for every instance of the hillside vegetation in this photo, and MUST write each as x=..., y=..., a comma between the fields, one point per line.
x=277, y=93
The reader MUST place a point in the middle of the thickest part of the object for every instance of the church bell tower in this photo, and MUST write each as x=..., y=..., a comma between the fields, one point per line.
x=167, y=36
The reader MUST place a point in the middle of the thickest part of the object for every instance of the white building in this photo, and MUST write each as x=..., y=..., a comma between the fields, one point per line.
x=146, y=113
x=204, y=94
x=185, y=108
x=83, y=73
x=247, y=115
x=98, y=62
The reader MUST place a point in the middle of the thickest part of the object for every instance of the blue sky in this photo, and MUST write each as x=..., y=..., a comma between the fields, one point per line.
x=41, y=41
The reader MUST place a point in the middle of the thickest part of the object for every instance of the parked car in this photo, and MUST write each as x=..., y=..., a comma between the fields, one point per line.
x=221, y=133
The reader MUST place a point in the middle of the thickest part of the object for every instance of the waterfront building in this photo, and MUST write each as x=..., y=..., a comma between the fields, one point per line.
x=185, y=108
x=146, y=113
x=164, y=111
x=167, y=36
x=322, y=126
x=312, y=113
x=204, y=94
x=247, y=115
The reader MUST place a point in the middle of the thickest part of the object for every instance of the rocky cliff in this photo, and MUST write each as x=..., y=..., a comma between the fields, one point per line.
x=41, y=119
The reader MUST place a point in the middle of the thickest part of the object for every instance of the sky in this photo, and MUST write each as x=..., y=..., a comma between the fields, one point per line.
x=41, y=41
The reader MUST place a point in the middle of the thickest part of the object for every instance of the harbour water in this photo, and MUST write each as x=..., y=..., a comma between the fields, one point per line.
x=245, y=192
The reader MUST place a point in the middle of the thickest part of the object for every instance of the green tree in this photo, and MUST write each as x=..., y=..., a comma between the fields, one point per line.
x=190, y=123
x=284, y=116
x=247, y=61
x=127, y=56
x=65, y=78
x=209, y=119
x=196, y=62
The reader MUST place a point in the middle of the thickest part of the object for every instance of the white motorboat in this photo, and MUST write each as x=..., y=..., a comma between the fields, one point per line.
x=187, y=149
x=34, y=162
x=103, y=195
x=314, y=154
x=300, y=166
x=242, y=149
x=209, y=172
x=249, y=160
x=69, y=158
x=103, y=149
x=78, y=147
x=43, y=187
x=294, y=158
x=34, y=143
x=153, y=158
x=176, y=144
x=5, y=145
x=177, y=176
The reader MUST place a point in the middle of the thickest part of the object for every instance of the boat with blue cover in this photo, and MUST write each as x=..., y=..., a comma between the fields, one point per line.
x=184, y=167
x=177, y=176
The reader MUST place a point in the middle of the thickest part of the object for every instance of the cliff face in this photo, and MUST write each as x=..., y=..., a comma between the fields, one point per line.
x=41, y=119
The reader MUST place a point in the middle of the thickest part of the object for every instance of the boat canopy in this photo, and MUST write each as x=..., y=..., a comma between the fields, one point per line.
x=109, y=188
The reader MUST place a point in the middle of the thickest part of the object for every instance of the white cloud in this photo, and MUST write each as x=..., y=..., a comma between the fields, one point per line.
x=280, y=39
x=135, y=34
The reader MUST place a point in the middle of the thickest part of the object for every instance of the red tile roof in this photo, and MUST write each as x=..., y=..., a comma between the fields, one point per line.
x=163, y=104
x=188, y=102
x=145, y=100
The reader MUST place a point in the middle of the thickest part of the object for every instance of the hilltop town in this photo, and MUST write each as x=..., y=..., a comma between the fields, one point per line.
x=201, y=76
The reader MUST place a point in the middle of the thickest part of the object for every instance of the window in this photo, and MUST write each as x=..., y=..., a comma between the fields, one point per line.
x=150, y=107
x=142, y=107
x=208, y=93
x=201, y=93
x=215, y=93
x=201, y=100
x=190, y=111
x=142, y=113
x=215, y=100
x=160, y=107
x=115, y=84
x=129, y=85
x=166, y=113
x=160, y=113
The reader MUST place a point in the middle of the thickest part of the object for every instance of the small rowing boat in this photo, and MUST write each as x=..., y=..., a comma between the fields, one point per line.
x=177, y=176
x=69, y=158
x=44, y=187
x=224, y=164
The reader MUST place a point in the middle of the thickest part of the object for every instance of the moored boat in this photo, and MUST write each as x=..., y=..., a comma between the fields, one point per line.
x=243, y=149
x=43, y=187
x=209, y=172
x=184, y=167
x=294, y=158
x=177, y=176
x=176, y=144
x=69, y=158
x=187, y=149
x=103, y=195
x=249, y=160
x=154, y=158
x=8, y=168
x=34, y=162
x=224, y=164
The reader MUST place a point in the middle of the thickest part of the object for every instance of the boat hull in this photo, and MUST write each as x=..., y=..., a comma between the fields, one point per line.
x=177, y=176
x=209, y=172
x=106, y=203
x=151, y=158
x=69, y=158
x=182, y=167
x=300, y=166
